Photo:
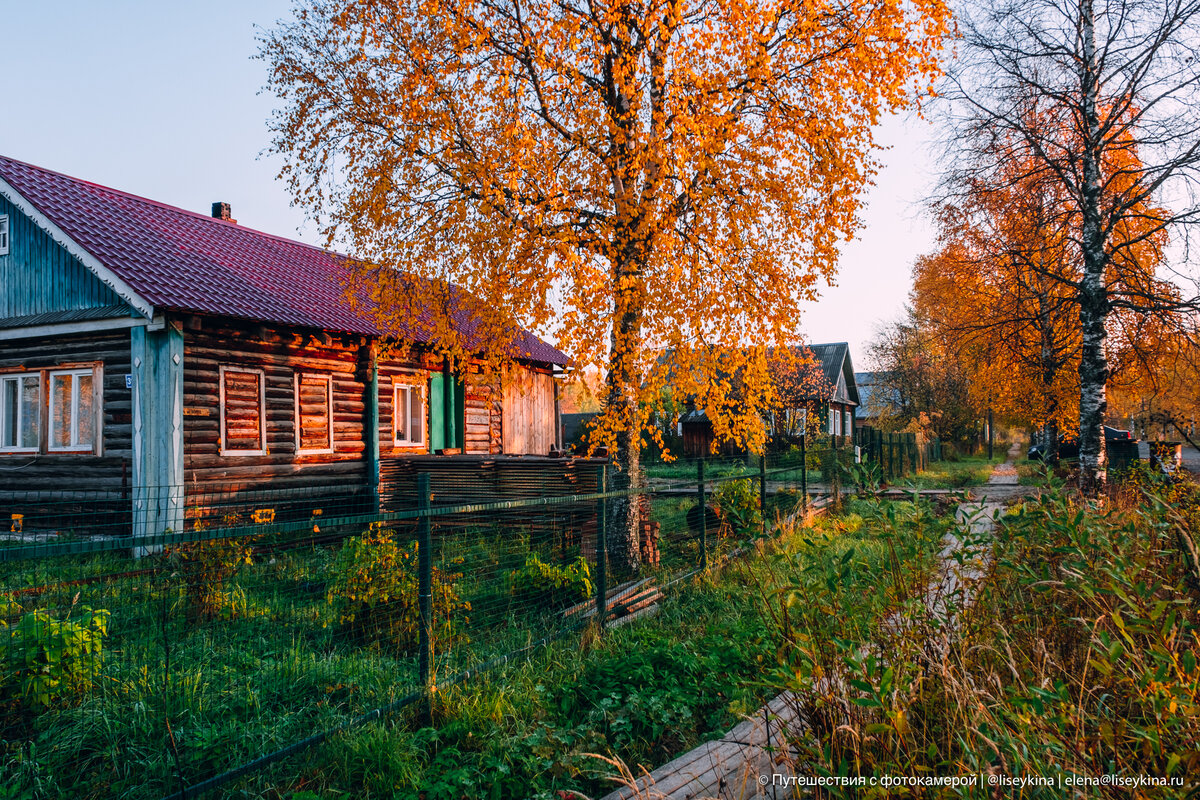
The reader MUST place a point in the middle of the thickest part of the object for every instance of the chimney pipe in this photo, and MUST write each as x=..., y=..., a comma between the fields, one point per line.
x=222, y=211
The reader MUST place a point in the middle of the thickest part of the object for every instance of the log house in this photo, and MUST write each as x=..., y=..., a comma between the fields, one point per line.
x=158, y=354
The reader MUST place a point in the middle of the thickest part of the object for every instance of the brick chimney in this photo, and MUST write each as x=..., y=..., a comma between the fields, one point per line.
x=222, y=211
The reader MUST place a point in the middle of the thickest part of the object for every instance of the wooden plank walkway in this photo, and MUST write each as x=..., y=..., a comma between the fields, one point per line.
x=729, y=768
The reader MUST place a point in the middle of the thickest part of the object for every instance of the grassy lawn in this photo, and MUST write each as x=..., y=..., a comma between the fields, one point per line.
x=200, y=695
x=967, y=471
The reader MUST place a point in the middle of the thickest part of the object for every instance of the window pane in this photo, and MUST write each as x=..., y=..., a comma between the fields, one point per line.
x=31, y=404
x=8, y=413
x=85, y=425
x=60, y=411
x=414, y=416
x=400, y=412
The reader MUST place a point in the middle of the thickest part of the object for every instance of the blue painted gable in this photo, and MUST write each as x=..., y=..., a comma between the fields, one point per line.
x=39, y=277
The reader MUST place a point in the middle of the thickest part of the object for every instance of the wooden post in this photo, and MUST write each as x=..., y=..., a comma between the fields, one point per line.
x=762, y=493
x=991, y=439
x=804, y=471
x=372, y=432
x=601, y=546
x=703, y=514
x=157, y=428
x=425, y=594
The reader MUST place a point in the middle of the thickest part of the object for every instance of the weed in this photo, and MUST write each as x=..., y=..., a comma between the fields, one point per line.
x=374, y=593
x=543, y=585
x=50, y=660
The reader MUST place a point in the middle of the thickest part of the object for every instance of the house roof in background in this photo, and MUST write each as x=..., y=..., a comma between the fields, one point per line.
x=179, y=260
x=837, y=367
x=877, y=395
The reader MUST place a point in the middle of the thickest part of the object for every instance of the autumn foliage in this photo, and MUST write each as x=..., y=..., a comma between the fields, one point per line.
x=629, y=177
x=1002, y=290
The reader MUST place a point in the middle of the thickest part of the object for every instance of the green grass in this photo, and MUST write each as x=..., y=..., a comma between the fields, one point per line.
x=203, y=696
x=966, y=472
x=1076, y=655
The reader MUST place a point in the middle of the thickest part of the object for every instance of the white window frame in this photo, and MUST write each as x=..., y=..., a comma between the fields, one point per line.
x=97, y=377
x=419, y=391
x=20, y=377
x=5, y=234
x=328, y=380
x=262, y=410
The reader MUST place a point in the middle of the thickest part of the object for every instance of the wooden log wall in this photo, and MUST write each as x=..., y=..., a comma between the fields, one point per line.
x=484, y=413
x=44, y=486
x=401, y=370
x=75, y=471
x=280, y=354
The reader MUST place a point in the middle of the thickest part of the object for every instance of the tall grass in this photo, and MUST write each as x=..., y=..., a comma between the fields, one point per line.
x=1073, y=652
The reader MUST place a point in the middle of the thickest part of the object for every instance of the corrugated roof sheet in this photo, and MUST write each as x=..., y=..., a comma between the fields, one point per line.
x=832, y=356
x=181, y=260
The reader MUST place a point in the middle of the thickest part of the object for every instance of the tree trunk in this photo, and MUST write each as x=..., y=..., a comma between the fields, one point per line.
x=624, y=520
x=1093, y=295
x=1049, y=373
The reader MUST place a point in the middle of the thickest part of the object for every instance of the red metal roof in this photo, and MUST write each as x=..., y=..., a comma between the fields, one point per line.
x=181, y=260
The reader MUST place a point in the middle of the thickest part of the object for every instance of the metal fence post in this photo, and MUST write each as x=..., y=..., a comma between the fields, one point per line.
x=804, y=472
x=703, y=514
x=602, y=546
x=762, y=491
x=425, y=592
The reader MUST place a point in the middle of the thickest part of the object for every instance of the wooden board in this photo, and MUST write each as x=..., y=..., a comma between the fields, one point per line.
x=528, y=421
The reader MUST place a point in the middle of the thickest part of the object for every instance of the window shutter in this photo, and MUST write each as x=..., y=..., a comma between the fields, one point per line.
x=437, y=412
x=313, y=402
x=460, y=415
x=242, y=412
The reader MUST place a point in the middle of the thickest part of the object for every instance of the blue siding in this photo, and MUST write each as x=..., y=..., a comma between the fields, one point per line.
x=39, y=276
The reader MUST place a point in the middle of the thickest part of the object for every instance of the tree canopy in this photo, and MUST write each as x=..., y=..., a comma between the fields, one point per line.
x=1099, y=99
x=631, y=177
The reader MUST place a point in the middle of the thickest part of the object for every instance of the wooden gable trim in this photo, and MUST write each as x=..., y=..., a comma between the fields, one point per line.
x=106, y=276
x=66, y=328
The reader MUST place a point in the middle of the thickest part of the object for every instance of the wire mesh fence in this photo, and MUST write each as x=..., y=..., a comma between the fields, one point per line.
x=177, y=664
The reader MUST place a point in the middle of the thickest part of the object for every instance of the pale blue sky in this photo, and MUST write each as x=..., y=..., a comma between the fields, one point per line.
x=161, y=99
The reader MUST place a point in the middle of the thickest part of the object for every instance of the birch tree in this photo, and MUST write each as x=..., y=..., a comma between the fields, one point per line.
x=632, y=177
x=1099, y=97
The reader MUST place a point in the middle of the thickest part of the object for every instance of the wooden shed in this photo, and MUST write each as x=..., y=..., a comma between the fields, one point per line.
x=158, y=354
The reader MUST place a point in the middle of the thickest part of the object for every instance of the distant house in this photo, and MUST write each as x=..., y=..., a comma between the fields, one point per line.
x=142, y=346
x=877, y=397
x=827, y=408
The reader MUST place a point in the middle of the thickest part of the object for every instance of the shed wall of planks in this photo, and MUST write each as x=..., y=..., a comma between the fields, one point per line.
x=528, y=412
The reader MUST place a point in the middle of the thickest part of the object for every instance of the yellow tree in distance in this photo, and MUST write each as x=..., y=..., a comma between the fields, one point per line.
x=632, y=178
x=1002, y=289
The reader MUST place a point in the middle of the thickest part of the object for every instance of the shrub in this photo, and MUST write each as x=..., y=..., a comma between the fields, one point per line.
x=206, y=567
x=554, y=586
x=48, y=660
x=374, y=593
x=737, y=506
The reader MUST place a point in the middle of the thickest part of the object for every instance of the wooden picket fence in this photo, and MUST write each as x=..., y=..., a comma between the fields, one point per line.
x=898, y=454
